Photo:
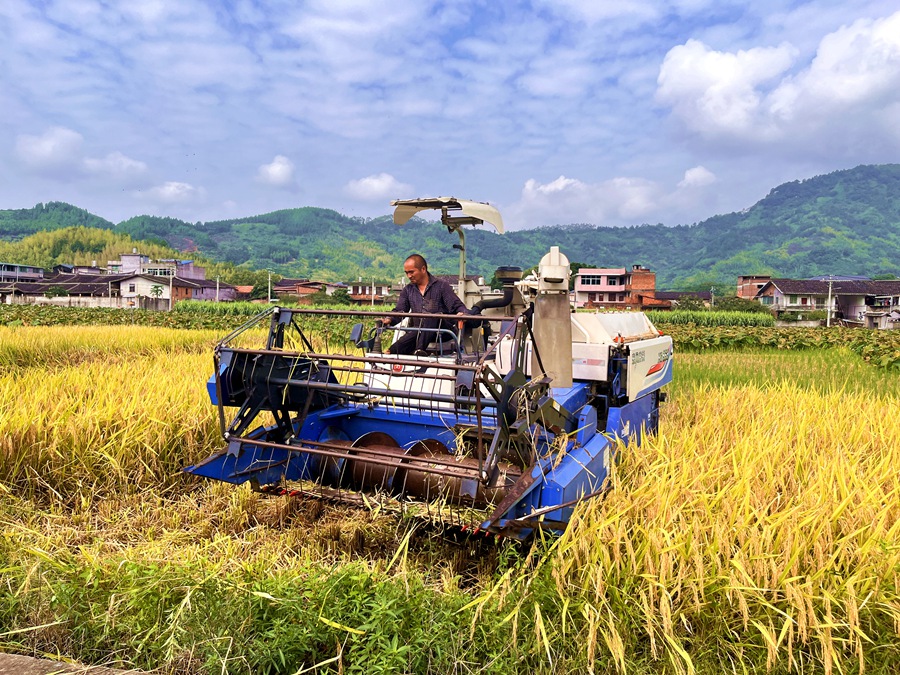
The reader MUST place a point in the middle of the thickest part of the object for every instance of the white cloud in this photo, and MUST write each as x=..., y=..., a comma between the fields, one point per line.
x=617, y=201
x=378, y=187
x=280, y=172
x=614, y=202
x=717, y=93
x=59, y=153
x=697, y=177
x=116, y=165
x=57, y=150
x=474, y=98
x=174, y=192
x=840, y=104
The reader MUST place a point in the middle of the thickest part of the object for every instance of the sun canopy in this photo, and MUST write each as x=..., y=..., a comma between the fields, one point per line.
x=407, y=208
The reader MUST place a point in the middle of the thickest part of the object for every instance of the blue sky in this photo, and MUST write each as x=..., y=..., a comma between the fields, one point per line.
x=556, y=111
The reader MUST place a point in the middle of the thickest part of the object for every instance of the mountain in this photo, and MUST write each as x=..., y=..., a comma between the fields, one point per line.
x=18, y=223
x=846, y=222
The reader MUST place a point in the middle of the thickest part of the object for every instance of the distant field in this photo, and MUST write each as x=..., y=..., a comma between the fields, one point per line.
x=721, y=330
x=759, y=532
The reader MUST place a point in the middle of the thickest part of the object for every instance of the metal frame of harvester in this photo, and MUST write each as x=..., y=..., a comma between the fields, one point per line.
x=504, y=424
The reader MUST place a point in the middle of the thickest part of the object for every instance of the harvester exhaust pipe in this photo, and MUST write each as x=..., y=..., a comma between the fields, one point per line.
x=509, y=276
x=552, y=353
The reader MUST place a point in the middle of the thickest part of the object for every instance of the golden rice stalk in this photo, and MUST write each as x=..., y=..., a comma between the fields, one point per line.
x=775, y=511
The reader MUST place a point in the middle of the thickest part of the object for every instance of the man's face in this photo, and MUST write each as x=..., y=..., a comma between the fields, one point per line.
x=416, y=275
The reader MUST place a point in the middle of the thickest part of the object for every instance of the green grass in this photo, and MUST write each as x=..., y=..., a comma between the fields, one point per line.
x=823, y=370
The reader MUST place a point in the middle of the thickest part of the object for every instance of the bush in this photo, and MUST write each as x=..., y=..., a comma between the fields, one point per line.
x=732, y=303
x=811, y=315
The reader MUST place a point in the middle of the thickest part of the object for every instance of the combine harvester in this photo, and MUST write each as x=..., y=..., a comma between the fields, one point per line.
x=504, y=424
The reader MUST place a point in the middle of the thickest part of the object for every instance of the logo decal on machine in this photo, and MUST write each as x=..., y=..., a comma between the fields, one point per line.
x=661, y=360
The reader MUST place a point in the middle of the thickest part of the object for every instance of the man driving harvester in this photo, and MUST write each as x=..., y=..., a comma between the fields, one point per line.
x=424, y=294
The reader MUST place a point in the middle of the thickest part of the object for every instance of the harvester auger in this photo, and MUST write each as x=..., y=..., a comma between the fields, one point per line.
x=505, y=423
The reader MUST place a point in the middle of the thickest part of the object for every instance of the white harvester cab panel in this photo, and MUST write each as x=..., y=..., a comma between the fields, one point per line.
x=593, y=335
x=649, y=366
x=605, y=328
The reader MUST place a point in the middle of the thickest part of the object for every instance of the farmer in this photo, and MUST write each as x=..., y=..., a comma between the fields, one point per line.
x=424, y=294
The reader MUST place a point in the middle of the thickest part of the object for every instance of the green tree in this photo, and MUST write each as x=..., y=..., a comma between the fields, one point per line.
x=56, y=292
x=341, y=297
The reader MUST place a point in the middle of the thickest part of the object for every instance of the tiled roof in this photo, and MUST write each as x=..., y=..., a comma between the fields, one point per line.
x=647, y=301
x=74, y=284
x=678, y=295
x=886, y=287
x=838, y=287
x=196, y=283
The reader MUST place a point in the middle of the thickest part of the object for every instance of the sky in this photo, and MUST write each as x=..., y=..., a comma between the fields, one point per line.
x=555, y=111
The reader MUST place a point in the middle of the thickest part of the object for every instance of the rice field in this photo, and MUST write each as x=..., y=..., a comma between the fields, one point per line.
x=757, y=533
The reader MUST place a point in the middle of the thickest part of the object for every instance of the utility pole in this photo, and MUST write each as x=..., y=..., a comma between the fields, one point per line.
x=171, y=292
x=828, y=320
x=217, y=288
x=373, y=291
x=712, y=297
x=269, y=292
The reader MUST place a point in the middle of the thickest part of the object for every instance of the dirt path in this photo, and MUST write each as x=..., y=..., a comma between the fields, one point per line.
x=13, y=664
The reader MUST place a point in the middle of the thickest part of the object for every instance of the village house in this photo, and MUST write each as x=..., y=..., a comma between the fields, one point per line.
x=372, y=292
x=138, y=263
x=861, y=302
x=139, y=286
x=617, y=288
x=749, y=285
x=11, y=272
x=114, y=290
x=79, y=269
x=302, y=289
x=243, y=292
x=74, y=290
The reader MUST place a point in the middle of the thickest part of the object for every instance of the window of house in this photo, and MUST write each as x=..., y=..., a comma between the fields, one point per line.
x=591, y=280
x=766, y=300
x=804, y=301
x=792, y=299
x=131, y=288
x=592, y=297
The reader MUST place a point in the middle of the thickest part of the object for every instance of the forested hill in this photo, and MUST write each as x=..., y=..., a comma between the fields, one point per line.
x=18, y=223
x=847, y=222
